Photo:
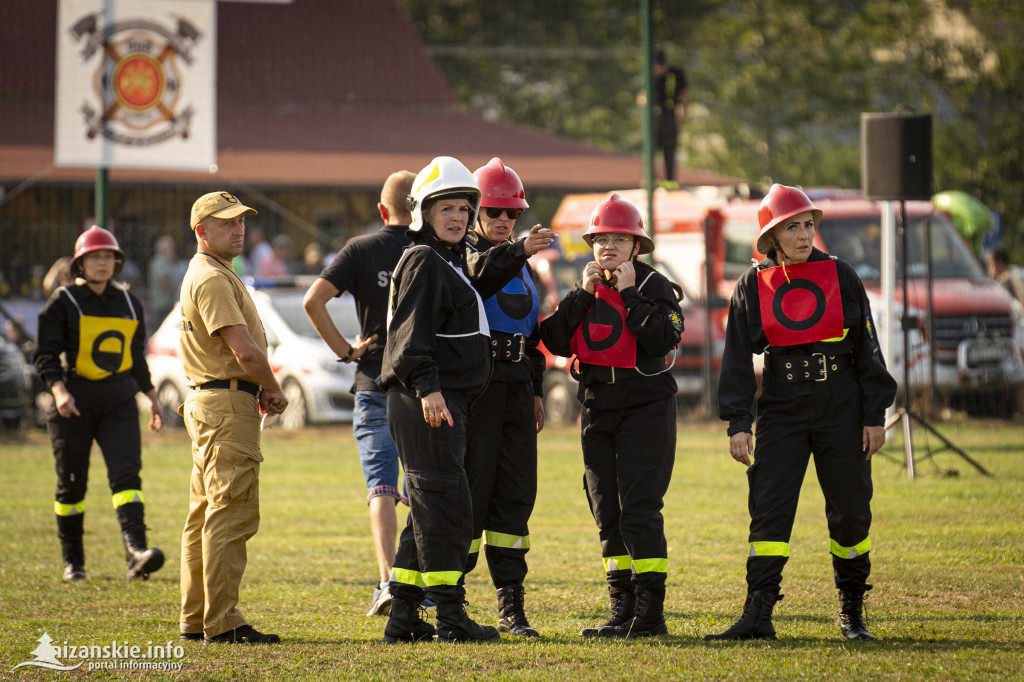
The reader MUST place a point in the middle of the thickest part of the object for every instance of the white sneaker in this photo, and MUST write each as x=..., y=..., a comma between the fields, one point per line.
x=381, y=603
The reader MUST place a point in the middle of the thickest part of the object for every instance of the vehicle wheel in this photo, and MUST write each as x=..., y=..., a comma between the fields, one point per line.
x=14, y=428
x=296, y=416
x=170, y=397
x=560, y=405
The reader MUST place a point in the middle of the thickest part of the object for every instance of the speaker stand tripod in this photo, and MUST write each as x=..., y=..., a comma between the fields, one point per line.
x=904, y=414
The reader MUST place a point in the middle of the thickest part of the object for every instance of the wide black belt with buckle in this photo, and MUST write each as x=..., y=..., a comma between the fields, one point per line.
x=507, y=347
x=240, y=384
x=814, y=367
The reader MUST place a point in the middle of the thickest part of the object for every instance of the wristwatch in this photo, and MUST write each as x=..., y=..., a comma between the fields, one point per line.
x=347, y=357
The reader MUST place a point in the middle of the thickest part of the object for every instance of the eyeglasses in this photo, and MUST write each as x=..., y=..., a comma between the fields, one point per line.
x=494, y=212
x=616, y=240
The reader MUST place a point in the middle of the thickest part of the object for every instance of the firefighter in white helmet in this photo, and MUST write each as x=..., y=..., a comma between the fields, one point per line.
x=437, y=359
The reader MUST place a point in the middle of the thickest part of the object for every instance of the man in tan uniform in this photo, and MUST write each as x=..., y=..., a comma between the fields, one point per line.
x=224, y=351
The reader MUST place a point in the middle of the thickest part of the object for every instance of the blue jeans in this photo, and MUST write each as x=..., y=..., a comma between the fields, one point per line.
x=377, y=452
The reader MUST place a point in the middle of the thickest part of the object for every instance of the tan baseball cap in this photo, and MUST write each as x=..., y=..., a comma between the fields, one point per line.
x=219, y=205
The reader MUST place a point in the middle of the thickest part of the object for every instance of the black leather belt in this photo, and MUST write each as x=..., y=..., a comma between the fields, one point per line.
x=814, y=367
x=507, y=347
x=239, y=384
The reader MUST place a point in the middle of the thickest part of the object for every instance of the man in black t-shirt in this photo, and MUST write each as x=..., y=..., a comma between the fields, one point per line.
x=364, y=267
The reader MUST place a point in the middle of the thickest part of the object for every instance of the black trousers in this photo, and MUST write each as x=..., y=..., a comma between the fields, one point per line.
x=668, y=140
x=501, y=464
x=432, y=547
x=110, y=416
x=795, y=421
x=628, y=455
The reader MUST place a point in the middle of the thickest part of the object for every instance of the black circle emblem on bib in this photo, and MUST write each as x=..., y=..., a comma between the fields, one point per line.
x=516, y=306
x=819, y=304
x=605, y=315
x=107, y=358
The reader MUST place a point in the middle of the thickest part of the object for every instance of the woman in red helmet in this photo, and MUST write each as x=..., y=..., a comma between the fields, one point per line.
x=621, y=320
x=824, y=392
x=98, y=328
x=501, y=449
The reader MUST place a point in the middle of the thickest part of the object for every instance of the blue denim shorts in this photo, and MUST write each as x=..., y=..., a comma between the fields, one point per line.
x=377, y=452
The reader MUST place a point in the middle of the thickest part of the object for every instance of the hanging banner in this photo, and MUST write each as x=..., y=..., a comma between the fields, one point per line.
x=136, y=84
x=804, y=308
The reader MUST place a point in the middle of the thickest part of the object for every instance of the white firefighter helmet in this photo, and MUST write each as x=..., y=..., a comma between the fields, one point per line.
x=444, y=176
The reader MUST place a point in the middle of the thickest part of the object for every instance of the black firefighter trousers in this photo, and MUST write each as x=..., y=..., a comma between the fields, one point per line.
x=109, y=416
x=628, y=455
x=794, y=421
x=501, y=463
x=433, y=546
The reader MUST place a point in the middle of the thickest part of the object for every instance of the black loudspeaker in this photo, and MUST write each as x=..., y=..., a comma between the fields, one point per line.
x=896, y=156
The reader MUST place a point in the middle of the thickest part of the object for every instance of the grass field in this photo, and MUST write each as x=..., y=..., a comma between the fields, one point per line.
x=948, y=572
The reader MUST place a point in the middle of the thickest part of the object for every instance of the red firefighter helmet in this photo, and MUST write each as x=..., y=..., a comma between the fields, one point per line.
x=615, y=215
x=781, y=203
x=500, y=185
x=96, y=239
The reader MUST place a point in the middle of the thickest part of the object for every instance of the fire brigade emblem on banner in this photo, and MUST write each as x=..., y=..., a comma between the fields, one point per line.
x=136, y=84
x=804, y=308
x=137, y=79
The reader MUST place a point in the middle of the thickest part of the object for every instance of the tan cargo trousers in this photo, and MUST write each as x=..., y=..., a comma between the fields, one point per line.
x=224, y=509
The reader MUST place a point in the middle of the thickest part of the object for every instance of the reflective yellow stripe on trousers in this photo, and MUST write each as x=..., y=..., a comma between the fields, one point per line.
x=69, y=509
x=618, y=563
x=862, y=547
x=407, y=576
x=650, y=565
x=505, y=540
x=127, y=497
x=769, y=549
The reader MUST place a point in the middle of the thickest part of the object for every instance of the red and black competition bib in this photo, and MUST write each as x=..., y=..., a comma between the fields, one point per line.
x=806, y=308
x=603, y=338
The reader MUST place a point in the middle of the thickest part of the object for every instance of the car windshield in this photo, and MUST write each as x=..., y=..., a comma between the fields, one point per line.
x=858, y=242
x=738, y=248
x=288, y=305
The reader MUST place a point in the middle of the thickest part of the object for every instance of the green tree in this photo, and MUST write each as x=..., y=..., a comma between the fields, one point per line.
x=776, y=86
x=978, y=67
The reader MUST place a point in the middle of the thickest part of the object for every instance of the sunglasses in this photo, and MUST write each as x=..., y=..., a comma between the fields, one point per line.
x=494, y=212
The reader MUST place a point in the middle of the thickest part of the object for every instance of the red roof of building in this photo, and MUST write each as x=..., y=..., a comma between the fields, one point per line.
x=312, y=92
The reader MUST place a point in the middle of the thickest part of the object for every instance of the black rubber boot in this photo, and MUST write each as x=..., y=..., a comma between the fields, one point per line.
x=623, y=601
x=69, y=532
x=140, y=560
x=649, y=617
x=851, y=616
x=512, y=612
x=406, y=623
x=756, y=621
x=453, y=623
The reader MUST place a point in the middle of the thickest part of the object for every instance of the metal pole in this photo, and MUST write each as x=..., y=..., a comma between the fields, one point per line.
x=888, y=276
x=931, y=317
x=708, y=370
x=908, y=442
x=646, y=28
x=101, y=191
x=101, y=197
